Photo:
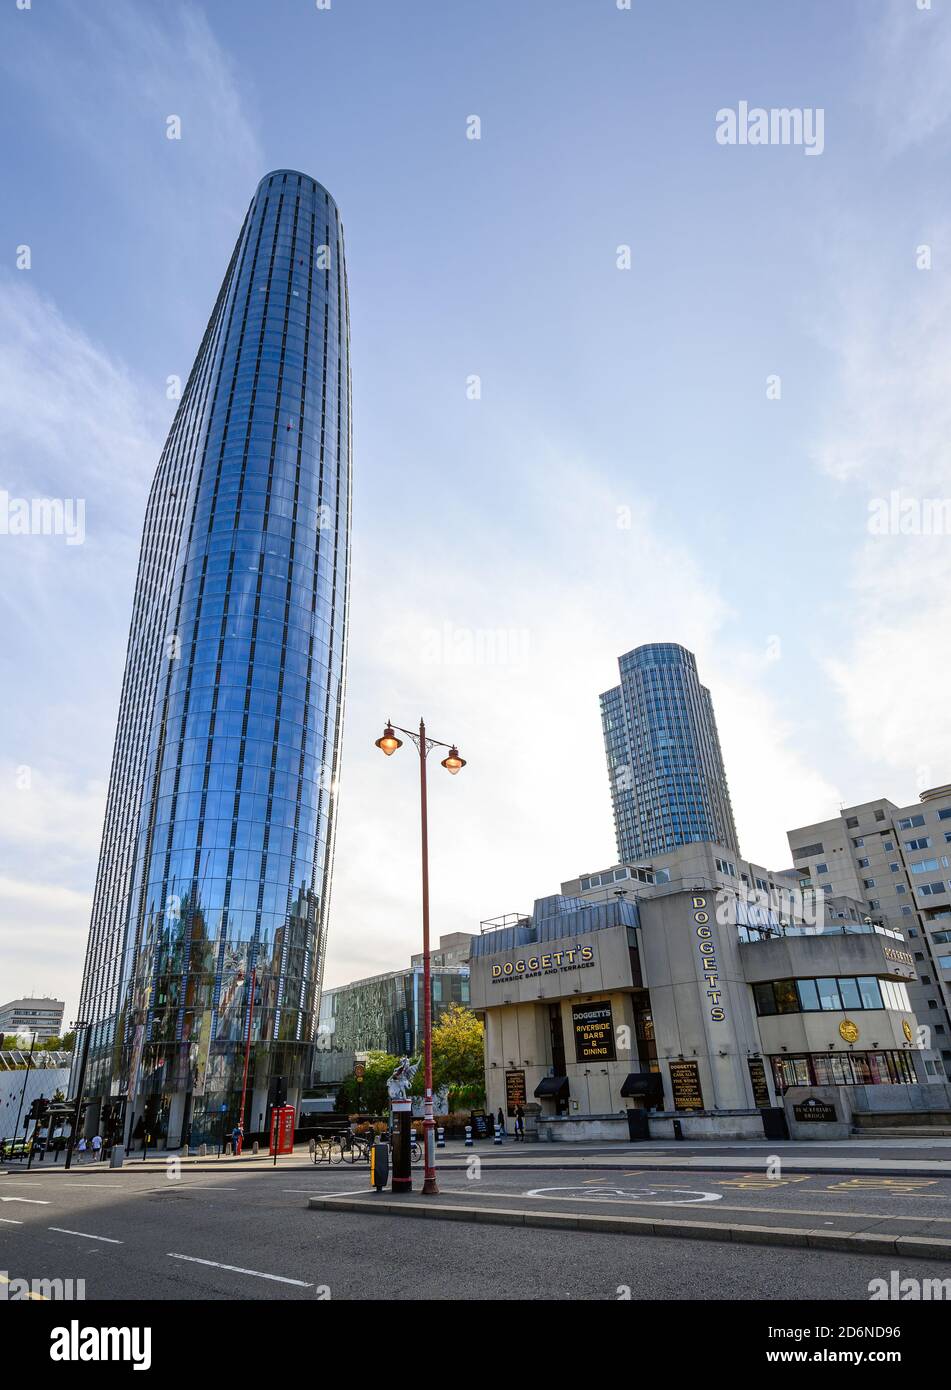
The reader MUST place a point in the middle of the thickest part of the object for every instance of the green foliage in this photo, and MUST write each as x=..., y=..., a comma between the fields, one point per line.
x=458, y=1049
x=372, y=1089
x=466, y=1098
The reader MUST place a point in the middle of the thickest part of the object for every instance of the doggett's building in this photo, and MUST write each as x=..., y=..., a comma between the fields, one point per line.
x=695, y=990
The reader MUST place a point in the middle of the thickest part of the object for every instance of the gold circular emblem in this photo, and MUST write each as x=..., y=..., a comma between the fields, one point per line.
x=906, y=1029
x=849, y=1030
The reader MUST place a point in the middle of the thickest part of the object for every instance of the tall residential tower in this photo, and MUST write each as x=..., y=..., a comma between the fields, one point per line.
x=210, y=915
x=668, y=785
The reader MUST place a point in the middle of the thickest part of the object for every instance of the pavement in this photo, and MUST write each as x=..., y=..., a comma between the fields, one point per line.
x=894, y=1157
x=247, y=1232
x=906, y=1216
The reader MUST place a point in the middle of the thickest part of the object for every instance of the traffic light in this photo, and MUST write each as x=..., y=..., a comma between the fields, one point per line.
x=39, y=1108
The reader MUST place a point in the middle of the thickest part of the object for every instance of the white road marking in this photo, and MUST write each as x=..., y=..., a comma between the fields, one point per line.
x=4, y=1221
x=236, y=1269
x=642, y=1195
x=85, y=1235
x=33, y=1201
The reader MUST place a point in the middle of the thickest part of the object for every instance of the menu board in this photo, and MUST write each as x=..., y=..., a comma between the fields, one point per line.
x=758, y=1079
x=480, y=1124
x=685, y=1084
x=514, y=1092
x=594, y=1031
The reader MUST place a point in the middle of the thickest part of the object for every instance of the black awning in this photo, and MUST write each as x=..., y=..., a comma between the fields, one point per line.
x=643, y=1083
x=554, y=1087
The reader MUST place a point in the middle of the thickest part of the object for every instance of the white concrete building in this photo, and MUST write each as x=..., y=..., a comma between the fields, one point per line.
x=896, y=860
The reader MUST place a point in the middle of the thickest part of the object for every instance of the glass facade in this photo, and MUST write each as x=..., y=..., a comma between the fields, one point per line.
x=830, y=994
x=382, y=1014
x=668, y=784
x=215, y=865
x=843, y=1069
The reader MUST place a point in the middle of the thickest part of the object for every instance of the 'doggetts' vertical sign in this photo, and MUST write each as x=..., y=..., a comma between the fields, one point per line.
x=710, y=968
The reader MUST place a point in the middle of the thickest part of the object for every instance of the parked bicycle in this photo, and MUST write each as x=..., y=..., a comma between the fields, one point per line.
x=326, y=1148
x=356, y=1148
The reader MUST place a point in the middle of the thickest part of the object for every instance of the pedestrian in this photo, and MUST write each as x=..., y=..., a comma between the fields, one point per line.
x=81, y=1147
x=237, y=1134
x=501, y=1120
x=96, y=1147
x=519, y=1123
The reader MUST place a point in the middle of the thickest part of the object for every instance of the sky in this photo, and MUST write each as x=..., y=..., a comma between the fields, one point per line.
x=704, y=370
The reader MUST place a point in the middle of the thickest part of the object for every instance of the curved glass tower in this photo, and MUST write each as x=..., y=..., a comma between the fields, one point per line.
x=210, y=915
x=668, y=783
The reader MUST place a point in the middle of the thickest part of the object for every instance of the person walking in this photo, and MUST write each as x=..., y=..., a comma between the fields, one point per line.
x=96, y=1147
x=519, y=1123
x=501, y=1120
x=81, y=1148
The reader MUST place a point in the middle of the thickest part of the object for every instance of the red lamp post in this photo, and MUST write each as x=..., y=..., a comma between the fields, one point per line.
x=388, y=744
x=247, y=1057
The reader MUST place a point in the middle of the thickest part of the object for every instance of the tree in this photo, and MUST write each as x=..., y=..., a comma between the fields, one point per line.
x=458, y=1049
x=371, y=1090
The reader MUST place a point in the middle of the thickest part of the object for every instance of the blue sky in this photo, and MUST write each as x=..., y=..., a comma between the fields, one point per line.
x=493, y=587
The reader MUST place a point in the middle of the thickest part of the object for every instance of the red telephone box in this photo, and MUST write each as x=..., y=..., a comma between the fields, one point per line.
x=282, y=1130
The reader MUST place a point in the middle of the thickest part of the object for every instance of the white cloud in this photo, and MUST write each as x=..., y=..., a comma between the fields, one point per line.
x=890, y=436
x=121, y=71
x=73, y=423
x=910, y=55
x=533, y=805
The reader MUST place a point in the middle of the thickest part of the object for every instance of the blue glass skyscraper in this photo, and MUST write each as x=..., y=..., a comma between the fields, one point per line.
x=668, y=784
x=210, y=914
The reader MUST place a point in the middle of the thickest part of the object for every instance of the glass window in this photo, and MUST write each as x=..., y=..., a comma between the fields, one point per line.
x=808, y=994
x=787, y=998
x=871, y=994
x=829, y=993
x=849, y=990
x=861, y=1070
x=822, y=1066
x=765, y=1002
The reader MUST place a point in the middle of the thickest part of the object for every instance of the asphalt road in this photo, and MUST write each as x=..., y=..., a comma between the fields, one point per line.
x=248, y=1235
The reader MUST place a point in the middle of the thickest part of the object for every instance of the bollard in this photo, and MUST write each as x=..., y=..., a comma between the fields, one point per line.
x=255, y=1147
x=498, y=1133
x=468, y=1143
x=440, y=1137
x=202, y=1150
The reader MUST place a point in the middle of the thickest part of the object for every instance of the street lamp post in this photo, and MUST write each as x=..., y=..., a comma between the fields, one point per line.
x=80, y=1087
x=388, y=744
x=26, y=1077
